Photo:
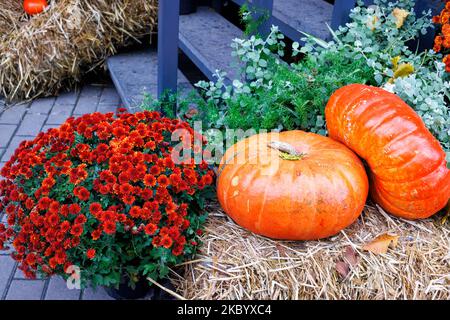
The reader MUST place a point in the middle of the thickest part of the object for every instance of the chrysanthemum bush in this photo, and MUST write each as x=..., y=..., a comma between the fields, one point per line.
x=111, y=195
x=442, y=39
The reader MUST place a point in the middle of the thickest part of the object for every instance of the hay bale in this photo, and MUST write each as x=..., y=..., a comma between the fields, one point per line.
x=235, y=264
x=11, y=17
x=41, y=55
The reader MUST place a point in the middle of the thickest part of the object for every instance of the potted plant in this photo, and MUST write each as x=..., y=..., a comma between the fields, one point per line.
x=108, y=196
x=188, y=6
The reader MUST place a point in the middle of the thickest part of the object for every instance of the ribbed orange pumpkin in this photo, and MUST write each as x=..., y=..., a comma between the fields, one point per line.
x=292, y=185
x=408, y=172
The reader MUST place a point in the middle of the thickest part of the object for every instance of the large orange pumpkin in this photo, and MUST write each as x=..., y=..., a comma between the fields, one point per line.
x=292, y=185
x=408, y=172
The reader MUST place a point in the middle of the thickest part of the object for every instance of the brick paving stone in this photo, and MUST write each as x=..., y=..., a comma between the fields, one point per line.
x=59, y=114
x=91, y=91
x=98, y=294
x=67, y=98
x=25, y=290
x=41, y=106
x=31, y=125
x=86, y=104
x=6, y=268
x=6, y=132
x=6, y=253
x=48, y=126
x=57, y=290
x=13, y=146
x=19, y=275
x=13, y=115
x=105, y=108
x=109, y=96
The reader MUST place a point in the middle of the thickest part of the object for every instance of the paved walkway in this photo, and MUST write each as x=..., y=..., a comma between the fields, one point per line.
x=24, y=122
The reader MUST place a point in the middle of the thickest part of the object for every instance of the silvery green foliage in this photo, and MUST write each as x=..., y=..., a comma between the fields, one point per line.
x=253, y=55
x=265, y=80
x=258, y=59
x=372, y=33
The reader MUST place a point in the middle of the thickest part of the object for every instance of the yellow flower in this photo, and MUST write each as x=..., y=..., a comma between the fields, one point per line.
x=400, y=16
x=400, y=70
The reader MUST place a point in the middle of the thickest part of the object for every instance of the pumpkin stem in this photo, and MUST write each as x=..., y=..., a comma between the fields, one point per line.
x=287, y=151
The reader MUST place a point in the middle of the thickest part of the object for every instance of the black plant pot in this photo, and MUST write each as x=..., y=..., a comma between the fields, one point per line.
x=125, y=292
x=141, y=290
x=188, y=6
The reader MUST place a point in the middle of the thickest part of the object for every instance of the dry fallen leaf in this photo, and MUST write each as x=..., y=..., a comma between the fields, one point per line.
x=342, y=268
x=395, y=62
x=350, y=256
x=400, y=16
x=403, y=70
x=400, y=70
x=381, y=243
x=372, y=22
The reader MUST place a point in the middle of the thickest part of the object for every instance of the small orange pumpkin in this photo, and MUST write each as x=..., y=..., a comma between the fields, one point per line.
x=292, y=185
x=33, y=7
x=409, y=176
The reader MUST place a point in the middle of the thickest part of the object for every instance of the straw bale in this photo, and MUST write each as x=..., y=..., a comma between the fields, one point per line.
x=42, y=54
x=235, y=264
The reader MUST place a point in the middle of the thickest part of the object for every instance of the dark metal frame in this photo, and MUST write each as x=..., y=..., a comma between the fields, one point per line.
x=267, y=8
x=341, y=11
x=168, y=26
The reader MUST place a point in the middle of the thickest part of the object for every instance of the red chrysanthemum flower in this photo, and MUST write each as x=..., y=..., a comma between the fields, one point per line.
x=149, y=180
x=81, y=219
x=163, y=181
x=64, y=210
x=126, y=189
x=166, y=242
x=108, y=216
x=77, y=230
x=177, y=250
x=74, y=208
x=53, y=219
x=129, y=200
x=150, y=229
x=96, y=234
x=60, y=257
x=109, y=227
x=95, y=208
x=82, y=193
x=90, y=253
x=135, y=212
x=155, y=170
